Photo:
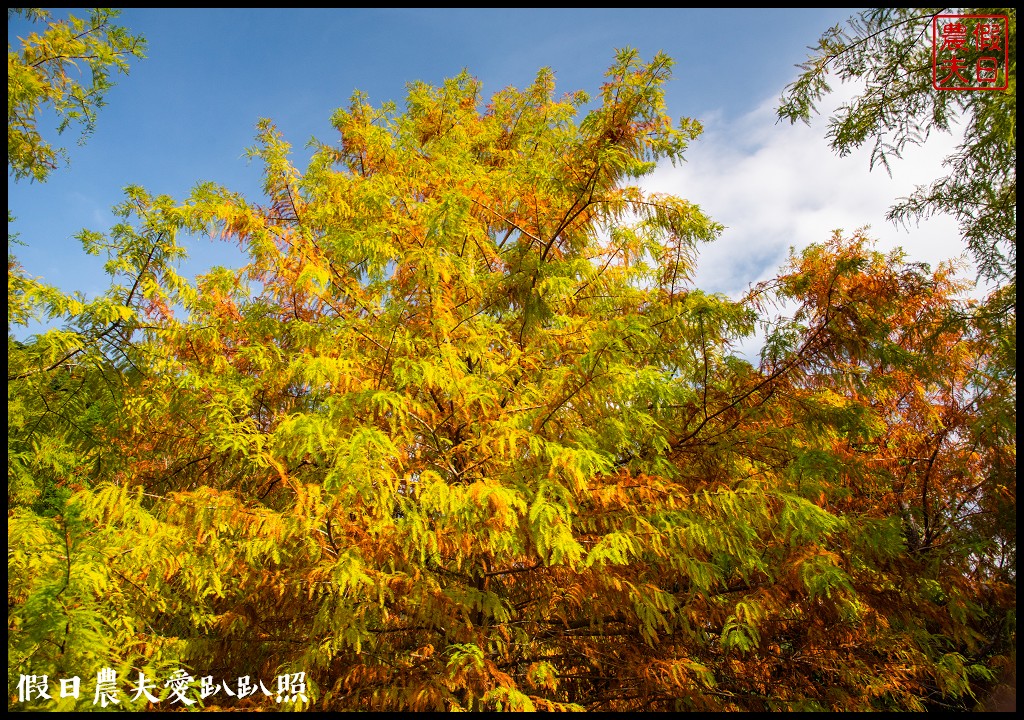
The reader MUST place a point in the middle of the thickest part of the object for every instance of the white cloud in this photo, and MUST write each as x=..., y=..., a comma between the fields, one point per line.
x=775, y=185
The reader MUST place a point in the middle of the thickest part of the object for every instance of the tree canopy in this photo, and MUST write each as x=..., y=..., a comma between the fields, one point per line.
x=887, y=50
x=41, y=76
x=463, y=435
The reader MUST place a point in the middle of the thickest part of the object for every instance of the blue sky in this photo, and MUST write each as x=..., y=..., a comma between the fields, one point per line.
x=187, y=112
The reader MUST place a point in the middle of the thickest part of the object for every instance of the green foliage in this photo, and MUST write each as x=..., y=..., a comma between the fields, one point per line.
x=41, y=75
x=889, y=51
x=460, y=436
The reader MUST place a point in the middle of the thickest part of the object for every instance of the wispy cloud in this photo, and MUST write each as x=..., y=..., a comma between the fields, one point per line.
x=775, y=186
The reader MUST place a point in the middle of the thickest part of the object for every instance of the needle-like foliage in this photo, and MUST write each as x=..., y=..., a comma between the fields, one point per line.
x=462, y=435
